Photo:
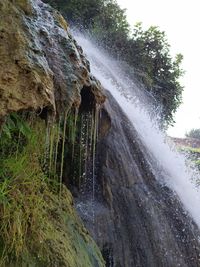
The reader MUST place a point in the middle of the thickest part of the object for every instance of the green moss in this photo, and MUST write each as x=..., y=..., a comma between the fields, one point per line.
x=197, y=162
x=39, y=226
x=190, y=149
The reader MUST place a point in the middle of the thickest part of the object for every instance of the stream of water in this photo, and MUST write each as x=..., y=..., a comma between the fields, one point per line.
x=168, y=166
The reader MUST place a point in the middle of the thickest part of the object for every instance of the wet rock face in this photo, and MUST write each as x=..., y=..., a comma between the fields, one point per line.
x=137, y=221
x=40, y=63
x=42, y=69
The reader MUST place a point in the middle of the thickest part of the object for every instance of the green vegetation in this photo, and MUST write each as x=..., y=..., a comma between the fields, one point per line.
x=146, y=51
x=150, y=53
x=193, y=154
x=191, y=149
x=39, y=226
x=194, y=133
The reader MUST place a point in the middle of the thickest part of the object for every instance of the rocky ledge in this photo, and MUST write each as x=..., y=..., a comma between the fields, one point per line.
x=41, y=66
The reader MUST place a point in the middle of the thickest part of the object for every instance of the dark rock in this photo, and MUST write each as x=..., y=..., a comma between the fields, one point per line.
x=138, y=221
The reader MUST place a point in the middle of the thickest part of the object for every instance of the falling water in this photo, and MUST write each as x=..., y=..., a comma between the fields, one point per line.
x=168, y=166
x=87, y=158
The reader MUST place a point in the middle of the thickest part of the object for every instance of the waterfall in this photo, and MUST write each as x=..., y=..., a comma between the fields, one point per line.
x=168, y=166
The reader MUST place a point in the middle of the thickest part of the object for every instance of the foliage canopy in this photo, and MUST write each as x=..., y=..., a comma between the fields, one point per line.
x=193, y=133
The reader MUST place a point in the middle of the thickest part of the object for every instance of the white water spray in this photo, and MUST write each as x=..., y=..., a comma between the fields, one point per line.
x=176, y=175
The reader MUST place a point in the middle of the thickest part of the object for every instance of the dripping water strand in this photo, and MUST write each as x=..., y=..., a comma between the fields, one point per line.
x=46, y=155
x=73, y=132
x=86, y=146
x=95, y=135
x=80, y=152
x=51, y=152
x=56, y=145
x=63, y=151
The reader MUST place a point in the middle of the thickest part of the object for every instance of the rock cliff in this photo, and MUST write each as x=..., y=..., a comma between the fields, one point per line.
x=43, y=75
x=49, y=120
x=41, y=66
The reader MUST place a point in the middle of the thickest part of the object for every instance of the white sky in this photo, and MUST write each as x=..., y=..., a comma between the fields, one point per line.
x=180, y=19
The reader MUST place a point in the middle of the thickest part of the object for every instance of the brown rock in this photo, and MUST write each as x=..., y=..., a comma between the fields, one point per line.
x=40, y=63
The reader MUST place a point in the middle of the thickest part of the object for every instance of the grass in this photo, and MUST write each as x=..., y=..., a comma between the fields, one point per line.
x=38, y=224
x=22, y=204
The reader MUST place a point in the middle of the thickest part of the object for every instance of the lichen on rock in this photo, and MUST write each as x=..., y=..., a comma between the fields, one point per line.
x=40, y=63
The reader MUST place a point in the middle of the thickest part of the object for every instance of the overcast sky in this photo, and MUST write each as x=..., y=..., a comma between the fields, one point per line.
x=180, y=19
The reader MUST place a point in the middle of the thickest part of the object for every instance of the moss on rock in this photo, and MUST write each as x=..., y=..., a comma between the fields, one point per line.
x=39, y=225
x=42, y=71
